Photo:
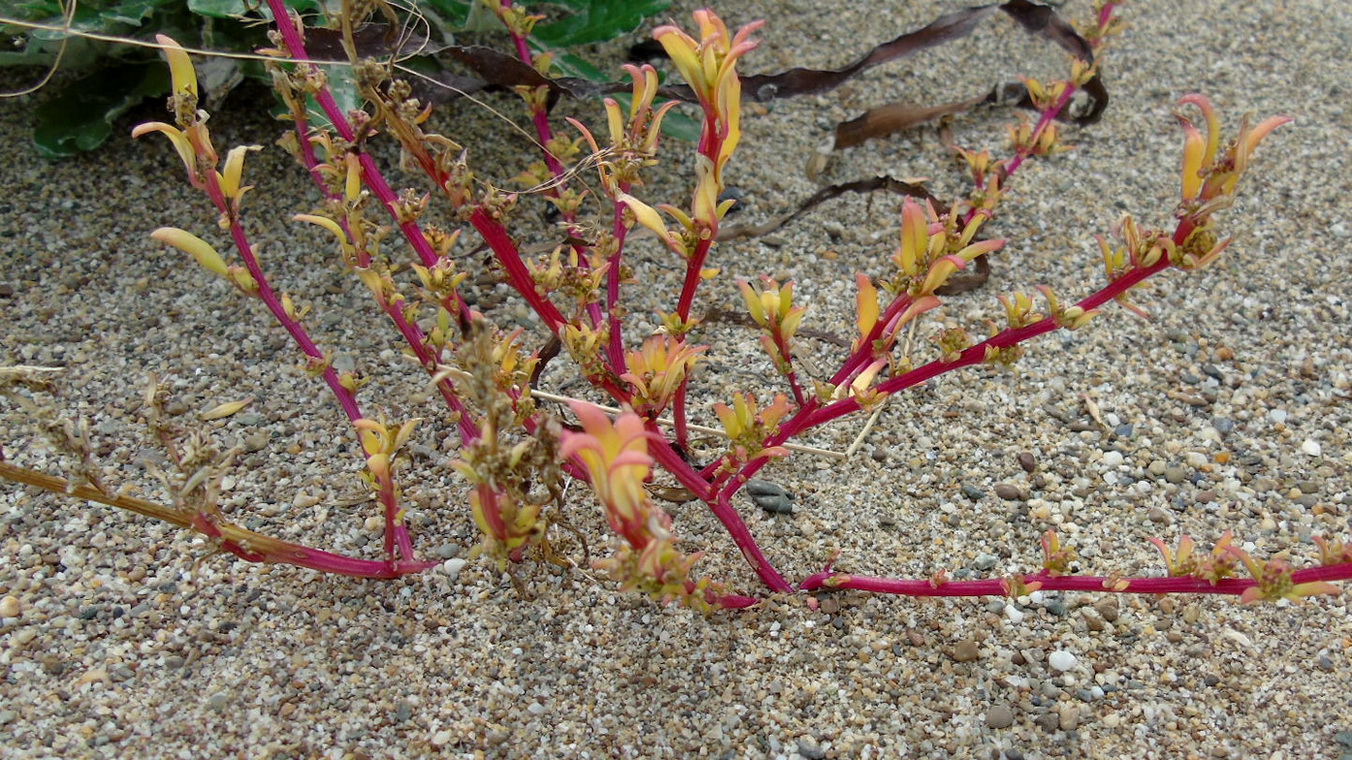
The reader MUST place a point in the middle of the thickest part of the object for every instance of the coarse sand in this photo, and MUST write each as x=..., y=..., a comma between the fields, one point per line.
x=120, y=637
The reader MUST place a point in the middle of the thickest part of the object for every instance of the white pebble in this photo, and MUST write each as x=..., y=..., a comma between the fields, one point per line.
x=452, y=567
x=1277, y=415
x=1061, y=660
x=1312, y=448
x=1112, y=459
x=1014, y=614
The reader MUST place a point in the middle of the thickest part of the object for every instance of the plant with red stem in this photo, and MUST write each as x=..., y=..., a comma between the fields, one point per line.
x=515, y=454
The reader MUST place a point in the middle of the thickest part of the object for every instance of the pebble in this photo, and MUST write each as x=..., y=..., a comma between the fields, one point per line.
x=972, y=492
x=1112, y=459
x=1311, y=448
x=447, y=551
x=1027, y=462
x=770, y=497
x=1048, y=722
x=10, y=607
x=1061, y=660
x=452, y=568
x=1107, y=608
x=984, y=562
x=1069, y=716
x=1008, y=491
x=999, y=716
x=809, y=750
x=966, y=651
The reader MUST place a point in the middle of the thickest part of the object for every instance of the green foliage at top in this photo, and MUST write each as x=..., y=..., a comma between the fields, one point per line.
x=79, y=114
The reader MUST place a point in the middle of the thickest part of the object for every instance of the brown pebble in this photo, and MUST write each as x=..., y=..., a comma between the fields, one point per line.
x=1093, y=620
x=1069, y=716
x=966, y=651
x=1008, y=491
x=10, y=607
x=916, y=638
x=1026, y=461
x=1107, y=608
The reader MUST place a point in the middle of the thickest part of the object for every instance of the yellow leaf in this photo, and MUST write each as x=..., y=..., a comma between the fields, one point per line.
x=225, y=410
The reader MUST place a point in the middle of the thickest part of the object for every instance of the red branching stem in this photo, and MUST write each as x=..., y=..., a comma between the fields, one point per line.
x=791, y=375
x=412, y=334
x=1101, y=584
x=243, y=543
x=693, y=266
x=371, y=174
x=720, y=504
x=615, y=339
x=1048, y=116
x=495, y=235
x=865, y=354
x=977, y=353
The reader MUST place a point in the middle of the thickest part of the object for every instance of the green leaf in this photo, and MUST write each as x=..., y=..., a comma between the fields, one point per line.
x=456, y=12
x=597, y=21
x=218, y=8
x=676, y=123
x=81, y=116
x=573, y=66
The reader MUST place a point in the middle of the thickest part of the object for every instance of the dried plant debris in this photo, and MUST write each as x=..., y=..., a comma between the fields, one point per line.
x=493, y=69
x=960, y=282
x=880, y=183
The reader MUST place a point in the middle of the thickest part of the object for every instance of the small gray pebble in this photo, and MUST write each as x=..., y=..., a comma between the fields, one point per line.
x=447, y=551
x=770, y=497
x=972, y=492
x=986, y=562
x=1048, y=722
x=810, y=750
x=999, y=716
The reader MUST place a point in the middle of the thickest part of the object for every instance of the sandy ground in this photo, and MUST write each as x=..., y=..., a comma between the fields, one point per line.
x=1227, y=412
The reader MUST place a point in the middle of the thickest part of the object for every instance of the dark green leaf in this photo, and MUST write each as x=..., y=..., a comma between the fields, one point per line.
x=81, y=116
x=597, y=21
